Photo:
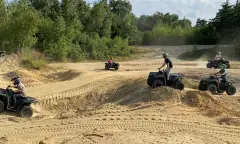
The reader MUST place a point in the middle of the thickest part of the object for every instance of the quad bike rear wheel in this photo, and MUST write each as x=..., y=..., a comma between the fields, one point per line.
x=209, y=65
x=1, y=106
x=157, y=83
x=231, y=90
x=212, y=88
x=25, y=112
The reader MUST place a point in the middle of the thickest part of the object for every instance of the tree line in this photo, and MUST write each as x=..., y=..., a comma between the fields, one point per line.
x=72, y=29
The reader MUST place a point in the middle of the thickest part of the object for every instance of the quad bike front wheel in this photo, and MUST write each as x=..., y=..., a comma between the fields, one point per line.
x=25, y=112
x=116, y=67
x=212, y=88
x=1, y=106
x=200, y=88
x=149, y=83
x=157, y=83
x=179, y=85
x=230, y=90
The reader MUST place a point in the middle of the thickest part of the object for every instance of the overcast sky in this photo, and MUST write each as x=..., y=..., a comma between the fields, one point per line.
x=191, y=9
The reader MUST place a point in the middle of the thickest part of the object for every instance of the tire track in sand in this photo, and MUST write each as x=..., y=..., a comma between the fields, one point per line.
x=81, y=90
x=39, y=131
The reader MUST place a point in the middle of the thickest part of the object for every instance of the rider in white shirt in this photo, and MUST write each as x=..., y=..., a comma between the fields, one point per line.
x=218, y=56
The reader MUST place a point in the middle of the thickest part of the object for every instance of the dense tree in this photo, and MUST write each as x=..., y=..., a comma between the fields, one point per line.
x=201, y=22
x=72, y=29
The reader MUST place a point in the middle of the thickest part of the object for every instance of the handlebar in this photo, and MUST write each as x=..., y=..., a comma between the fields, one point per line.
x=160, y=69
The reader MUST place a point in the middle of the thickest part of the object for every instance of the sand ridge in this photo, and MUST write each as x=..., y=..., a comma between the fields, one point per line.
x=82, y=103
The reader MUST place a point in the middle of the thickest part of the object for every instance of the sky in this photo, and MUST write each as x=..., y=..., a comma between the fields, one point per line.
x=191, y=9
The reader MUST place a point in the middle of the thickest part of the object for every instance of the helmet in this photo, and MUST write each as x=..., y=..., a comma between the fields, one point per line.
x=219, y=53
x=165, y=55
x=16, y=80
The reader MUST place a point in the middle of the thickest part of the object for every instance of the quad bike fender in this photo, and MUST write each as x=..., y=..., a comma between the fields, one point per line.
x=22, y=105
x=230, y=82
x=116, y=64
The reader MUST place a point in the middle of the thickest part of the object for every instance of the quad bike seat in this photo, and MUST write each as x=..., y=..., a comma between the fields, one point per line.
x=173, y=74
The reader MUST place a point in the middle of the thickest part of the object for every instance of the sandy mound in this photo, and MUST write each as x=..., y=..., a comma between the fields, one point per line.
x=164, y=94
x=30, y=79
x=63, y=75
x=211, y=105
x=47, y=141
x=3, y=140
x=230, y=121
x=36, y=78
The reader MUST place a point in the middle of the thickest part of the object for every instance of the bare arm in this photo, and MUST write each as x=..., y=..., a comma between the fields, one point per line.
x=162, y=65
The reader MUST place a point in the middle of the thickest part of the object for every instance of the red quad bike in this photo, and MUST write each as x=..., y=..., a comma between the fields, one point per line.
x=218, y=64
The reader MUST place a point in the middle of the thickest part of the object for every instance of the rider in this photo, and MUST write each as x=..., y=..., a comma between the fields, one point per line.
x=110, y=61
x=169, y=64
x=221, y=75
x=21, y=90
x=218, y=56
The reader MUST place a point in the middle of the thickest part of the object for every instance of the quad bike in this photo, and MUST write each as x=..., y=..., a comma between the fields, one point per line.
x=221, y=63
x=212, y=84
x=157, y=79
x=22, y=106
x=114, y=65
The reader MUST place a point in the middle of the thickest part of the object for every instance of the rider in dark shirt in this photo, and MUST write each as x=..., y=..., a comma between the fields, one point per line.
x=169, y=64
x=222, y=75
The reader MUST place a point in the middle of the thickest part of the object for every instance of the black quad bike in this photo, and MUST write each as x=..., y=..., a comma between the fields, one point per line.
x=114, y=65
x=211, y=83
x=157, y=79
x=221, y=63
x=22, y=105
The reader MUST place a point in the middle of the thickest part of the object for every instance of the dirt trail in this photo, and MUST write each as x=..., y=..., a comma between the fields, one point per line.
x=83, y=103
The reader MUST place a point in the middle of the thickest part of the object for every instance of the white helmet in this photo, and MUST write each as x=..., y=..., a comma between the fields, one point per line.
x=219, y=53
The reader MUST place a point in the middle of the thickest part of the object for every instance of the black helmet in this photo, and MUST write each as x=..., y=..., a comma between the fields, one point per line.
x=16, y=80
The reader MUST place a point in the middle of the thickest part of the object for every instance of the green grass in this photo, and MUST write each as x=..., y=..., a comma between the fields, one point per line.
x=33, y=64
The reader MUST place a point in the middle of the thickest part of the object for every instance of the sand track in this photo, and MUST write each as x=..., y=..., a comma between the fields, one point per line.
x=84, y=104
x=58, y=129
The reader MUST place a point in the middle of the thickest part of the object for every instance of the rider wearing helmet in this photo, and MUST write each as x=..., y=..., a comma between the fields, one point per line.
x=218, y=56
x=21, y=90
x=222, y=75
x=169, y=64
